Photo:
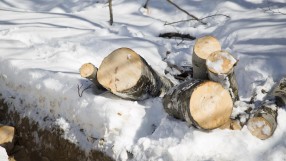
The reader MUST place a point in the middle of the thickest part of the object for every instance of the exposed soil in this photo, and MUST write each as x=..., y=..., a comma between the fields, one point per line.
x=52, y=146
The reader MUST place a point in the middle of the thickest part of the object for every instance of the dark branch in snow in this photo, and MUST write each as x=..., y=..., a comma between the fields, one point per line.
x=192, y=19
x=191, y=15
x=170, y=35
x=146, y=4
x=270, y=9
x=81, y=92
x=110, y=12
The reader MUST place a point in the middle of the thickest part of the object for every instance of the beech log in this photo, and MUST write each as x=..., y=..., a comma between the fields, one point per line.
x=203, y=47
x=263, y=122
x=220, y=65
x=232, y=124
x=127, y=75
x=204, y=104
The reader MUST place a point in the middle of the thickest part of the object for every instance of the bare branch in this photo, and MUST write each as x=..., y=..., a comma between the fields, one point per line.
x=81, y=92
x=110, y=12
x=146, y=4
x=194, y=17
x=271, y=10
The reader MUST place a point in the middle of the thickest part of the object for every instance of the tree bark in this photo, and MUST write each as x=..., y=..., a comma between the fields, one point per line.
x=127, y=75
x=204, y=104
x=263, y=122
x=279, y=92
x=203, y=47
x=220, y=66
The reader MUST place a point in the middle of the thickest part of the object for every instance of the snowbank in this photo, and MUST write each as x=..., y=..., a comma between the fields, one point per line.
x=43, y=47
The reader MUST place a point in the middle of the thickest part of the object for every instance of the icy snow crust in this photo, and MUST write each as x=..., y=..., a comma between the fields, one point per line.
x=44, y=43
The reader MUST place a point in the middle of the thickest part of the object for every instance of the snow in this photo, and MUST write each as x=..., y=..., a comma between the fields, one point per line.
x=3, y=154
x=44, y=43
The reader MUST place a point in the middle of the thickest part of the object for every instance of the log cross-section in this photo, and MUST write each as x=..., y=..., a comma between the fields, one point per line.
x=203, y=47
x=204, y=104
x=263, y=122
x=127, y=75
x=220, y=65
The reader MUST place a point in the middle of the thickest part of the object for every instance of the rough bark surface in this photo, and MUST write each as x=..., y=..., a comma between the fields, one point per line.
x=149, y=84
x=178, y=103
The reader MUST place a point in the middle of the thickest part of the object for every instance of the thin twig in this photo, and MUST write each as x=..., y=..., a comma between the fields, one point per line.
x=79, y=87
x=194, y=17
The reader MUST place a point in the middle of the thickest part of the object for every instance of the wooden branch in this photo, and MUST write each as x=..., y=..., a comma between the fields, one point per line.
x=194, y=17
x=191, y=19
x=204, y=104
x=170, y=35
x=89, y=71
x=110, y=12
x=203, y=47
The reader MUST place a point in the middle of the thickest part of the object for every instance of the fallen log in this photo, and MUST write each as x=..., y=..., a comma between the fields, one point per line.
x=220, y=65
x=264, y=121
x=203, y=47
x=279, y=92
x=204, y=104
x=127, y=75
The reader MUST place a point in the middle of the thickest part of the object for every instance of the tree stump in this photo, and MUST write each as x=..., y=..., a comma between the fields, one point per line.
x=264, y=121
x=220, y=65
x=279, y=93
x=204, y=104
x=203, y=47
x=127, y=75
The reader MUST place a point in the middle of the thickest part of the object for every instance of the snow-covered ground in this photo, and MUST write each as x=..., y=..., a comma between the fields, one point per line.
x=43, y=43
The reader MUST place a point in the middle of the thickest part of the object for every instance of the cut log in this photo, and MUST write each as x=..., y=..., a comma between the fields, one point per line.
x=128, y=75
x=204, y=104
x=220, y=65
x=7, y=137
x=89, y=71
x=263, y=122
x=203, y=47
x=279, y=93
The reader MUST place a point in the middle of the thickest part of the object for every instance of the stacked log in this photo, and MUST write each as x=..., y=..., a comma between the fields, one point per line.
x=263, y=122
x=220, y=67
x=203, y=47
x=204, y=104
